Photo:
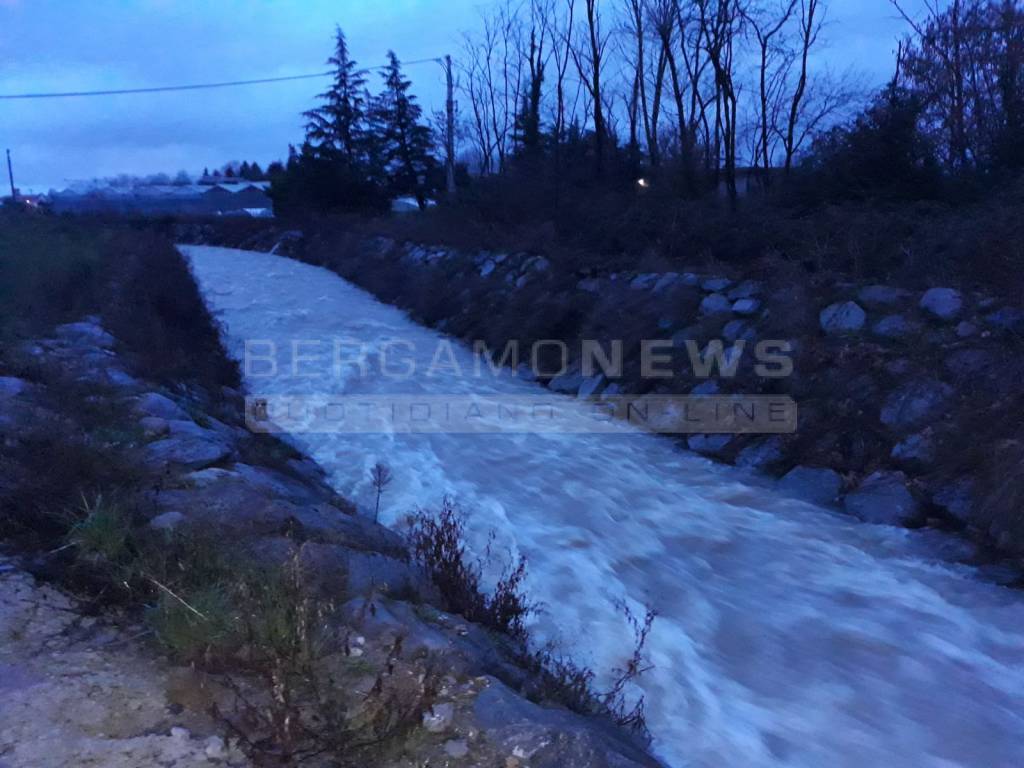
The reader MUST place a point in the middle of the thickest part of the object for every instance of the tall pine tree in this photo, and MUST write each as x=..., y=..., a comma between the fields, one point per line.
x=403, y=142
x=339, y=124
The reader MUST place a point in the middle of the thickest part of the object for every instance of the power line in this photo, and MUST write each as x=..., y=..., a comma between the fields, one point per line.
x=162, y=88
x=190, y=87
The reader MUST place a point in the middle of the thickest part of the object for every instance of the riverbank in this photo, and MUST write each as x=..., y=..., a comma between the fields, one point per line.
x=220, y=563
x=787, y=633
x=907, y=398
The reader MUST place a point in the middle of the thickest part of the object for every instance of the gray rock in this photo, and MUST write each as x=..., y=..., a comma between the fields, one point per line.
x=1007, y=319
x=155, y=404
x=956, y=498
x=746, y=307
x=680, y=337
x=709, y=387
x=916, y=450
x=589, y=284
x=456, y=748
x=708, y=445
x=966, y=329
x=748, y=289
x=185, y=452
x=735, y=330
x=714, y=304
x=568, y=383
x=188, y=428
x=11, y=386
x=154, y=426
x=818, y=485
x=342, y=572
x=551, y=738
x=232, y=506
x=894, y=327
x=86, y=333
x=844, y=317
x=761, y=454
x=591, y=385
x=882, y=295
x=666, y=281
x=915, y=403
x=486, y=268
x=883, y=498
x=942, y=303
x=644, y=282
x=439, y=718
x=715, y=284
x=278, y=484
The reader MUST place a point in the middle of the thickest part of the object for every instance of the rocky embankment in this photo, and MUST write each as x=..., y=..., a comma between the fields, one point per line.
x=83, y=684
x=909, y=399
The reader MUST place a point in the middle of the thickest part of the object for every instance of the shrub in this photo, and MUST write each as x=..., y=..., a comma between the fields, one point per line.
x=438, y=545
x=102, y=531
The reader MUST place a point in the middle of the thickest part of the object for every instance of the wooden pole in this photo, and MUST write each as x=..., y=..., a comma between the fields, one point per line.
x=450, y=138
x=10, y=176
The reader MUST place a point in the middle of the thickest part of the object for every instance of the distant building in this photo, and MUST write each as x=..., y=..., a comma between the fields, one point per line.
x=227, y=199
x=32, y=202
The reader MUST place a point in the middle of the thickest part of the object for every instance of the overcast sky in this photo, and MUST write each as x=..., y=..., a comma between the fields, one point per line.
x=60, y=45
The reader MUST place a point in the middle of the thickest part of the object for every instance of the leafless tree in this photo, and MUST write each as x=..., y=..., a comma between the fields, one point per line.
x=766, y=27
x=589, y=57
x=811, y=20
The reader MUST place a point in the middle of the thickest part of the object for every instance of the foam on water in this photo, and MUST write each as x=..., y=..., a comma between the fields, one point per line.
x=788, y=635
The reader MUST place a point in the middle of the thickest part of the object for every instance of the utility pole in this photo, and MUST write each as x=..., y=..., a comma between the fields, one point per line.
x=450, y=138
x=10, y=176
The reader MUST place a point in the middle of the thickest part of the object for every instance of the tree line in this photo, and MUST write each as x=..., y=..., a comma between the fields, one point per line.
x=686, y=93
x=361, y=149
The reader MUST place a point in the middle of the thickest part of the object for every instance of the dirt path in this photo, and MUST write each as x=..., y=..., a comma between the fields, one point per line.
x=76, y=691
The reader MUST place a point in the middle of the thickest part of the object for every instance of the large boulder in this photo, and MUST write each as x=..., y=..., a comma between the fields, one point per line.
x=894, y=327
x=760, y=454
x=550, y=738
x=956, y=498
x=915, y=403
x=746, y=307
x=87, y=333
x=568, y=383
x=161, y=406
x=818, y=485
x=714, y=304
x=715, y=284
x=11, y=386
x=748, y=289
x=942, y=303
x=883, y=498
x=186, y=452
x=345, y=573
x=843, y=317
x=709, y=445
x=231, y=505
x=916, y=450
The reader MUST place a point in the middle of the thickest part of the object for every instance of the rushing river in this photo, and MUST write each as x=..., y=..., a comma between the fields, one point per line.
x=788, y=635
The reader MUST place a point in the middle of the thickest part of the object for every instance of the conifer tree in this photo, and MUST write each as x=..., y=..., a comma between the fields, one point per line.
x=339, y=124
x=404, y=143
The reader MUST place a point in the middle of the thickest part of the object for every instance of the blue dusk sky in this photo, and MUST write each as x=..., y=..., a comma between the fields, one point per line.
x=62, y=45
